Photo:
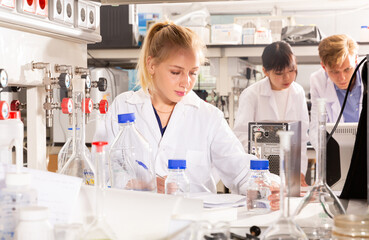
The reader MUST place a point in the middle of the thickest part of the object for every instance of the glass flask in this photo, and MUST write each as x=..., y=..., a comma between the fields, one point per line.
x=285, y=227
x=79, y=164
x=99, y=228
x=131, y=158
x=177, y=182
x=316, y=210
x=66, y=151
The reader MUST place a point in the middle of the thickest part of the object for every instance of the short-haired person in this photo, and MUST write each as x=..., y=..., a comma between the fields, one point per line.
x=174, y=120
x=277, y=97
x=338, y=58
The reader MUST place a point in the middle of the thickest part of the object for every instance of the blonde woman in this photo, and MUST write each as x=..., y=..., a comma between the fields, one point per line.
x=175, y=121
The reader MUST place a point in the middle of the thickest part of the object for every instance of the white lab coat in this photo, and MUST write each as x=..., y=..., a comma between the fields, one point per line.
x=197, y=132
x=257, y=103
x=321, y=86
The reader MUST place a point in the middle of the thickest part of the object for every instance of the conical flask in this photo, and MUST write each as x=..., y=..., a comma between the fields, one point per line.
x=99, y=228
x=316, y=210
x=79, y=164
x=285, y=227
x=66, y=151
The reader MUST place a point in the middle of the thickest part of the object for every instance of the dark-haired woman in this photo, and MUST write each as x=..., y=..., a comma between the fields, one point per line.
x=277, y=97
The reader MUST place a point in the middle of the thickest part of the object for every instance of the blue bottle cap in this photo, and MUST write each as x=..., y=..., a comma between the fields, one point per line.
x=364, y=26
x=126, y=117
x=262, y=164
x=70, y=128
x=176, y=164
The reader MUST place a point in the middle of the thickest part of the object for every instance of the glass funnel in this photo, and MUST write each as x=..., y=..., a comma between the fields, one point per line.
x=284, y=228
x=316, y=211
x=79, y=164
x=99, y=228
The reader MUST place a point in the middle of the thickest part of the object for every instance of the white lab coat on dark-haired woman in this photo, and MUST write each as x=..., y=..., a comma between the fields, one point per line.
x=257, y=103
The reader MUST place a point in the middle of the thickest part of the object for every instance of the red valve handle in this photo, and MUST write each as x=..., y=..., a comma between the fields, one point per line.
x=4, y=110
x=67, y=105
x=104, y=106
x=14, y=105
x=88, y=105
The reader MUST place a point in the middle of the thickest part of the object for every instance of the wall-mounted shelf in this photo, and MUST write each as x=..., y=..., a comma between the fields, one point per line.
x=43, y=26
x=306, y=54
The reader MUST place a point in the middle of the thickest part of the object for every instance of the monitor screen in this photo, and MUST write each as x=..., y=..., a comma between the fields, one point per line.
x=344, y=137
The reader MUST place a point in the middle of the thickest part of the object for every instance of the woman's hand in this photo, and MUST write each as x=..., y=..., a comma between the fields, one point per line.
x=274, y=196
x=160, y=182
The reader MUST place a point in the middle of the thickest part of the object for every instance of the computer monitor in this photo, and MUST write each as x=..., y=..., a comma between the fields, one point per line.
x=338, y=162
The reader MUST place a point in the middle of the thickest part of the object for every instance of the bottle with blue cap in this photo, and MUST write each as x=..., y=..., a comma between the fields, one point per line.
x=177, y=182
x=258, y=187
x=131, y=158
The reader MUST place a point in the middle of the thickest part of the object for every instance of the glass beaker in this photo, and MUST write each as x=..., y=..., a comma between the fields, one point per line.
x=79, y=164
x=99, y=228
x=285, y=227
x=316, y=210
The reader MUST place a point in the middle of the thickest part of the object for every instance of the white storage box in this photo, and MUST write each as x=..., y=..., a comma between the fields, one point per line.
x=203, y=32
x=226, y=34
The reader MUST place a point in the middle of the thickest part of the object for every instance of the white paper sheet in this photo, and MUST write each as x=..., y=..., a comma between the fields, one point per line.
x=56, y=191
x=212, y=200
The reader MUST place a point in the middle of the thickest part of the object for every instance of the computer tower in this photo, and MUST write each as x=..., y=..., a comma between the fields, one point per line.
x=266, y=145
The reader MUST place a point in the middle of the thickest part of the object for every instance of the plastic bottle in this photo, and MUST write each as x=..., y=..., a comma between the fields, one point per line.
x=131, y=158
x=34, y=224
x=66, y=151
x=15, y=195
x=258, y=187
x=177, y=182
x=12, y=130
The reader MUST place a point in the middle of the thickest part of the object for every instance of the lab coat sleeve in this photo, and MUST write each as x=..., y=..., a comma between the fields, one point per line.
x=304, y=132
x=314, y=95
x=245, y=114
x=228, y=156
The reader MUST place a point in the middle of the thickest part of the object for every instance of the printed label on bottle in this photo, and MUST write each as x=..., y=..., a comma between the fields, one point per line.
x=88, y=177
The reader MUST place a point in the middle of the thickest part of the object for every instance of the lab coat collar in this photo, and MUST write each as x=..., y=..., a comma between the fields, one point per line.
x=266, y=89
x=141, y=96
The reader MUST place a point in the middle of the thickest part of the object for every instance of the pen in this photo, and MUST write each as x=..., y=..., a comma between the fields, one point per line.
x=159, y=176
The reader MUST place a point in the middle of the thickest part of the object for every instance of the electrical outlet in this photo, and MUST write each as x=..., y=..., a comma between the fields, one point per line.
x=56, y=10
x=42, y=8
x=91, y=17
x=9, y=4
x=81, y=15
x=26, y=6
x=69, y=7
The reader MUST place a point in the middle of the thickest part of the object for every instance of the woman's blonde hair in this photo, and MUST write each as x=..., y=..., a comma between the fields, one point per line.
x=334, y=50
x=159, y=42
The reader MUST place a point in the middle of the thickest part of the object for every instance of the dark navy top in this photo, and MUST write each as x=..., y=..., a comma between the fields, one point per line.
x=162, y=129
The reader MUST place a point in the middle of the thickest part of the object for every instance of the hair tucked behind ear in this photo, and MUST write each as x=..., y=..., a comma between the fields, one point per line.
x=159, y=42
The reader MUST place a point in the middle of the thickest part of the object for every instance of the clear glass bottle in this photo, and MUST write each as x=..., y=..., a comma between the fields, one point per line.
x=99, y=228
x=258, y=187
x=15, y=195
x=79, y=164
x=131, y=159
x=34, y=224
x=177, y=182
x=66, y=151
x=285, y=227
x=316, y=210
